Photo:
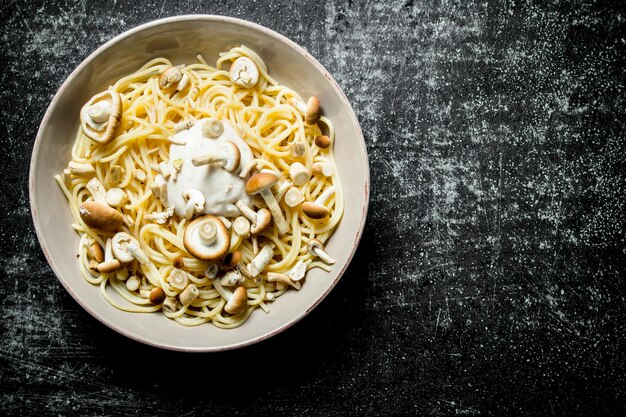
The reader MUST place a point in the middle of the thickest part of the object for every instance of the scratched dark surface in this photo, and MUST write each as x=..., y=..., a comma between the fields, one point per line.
x=490, y=279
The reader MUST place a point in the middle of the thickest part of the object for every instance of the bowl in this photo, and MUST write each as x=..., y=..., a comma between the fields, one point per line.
x=180, y=39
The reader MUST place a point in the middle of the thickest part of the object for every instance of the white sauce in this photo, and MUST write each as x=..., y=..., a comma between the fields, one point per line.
x=220, y=188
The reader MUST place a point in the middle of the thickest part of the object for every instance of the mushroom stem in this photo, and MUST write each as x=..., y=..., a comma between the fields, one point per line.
x=206, y=159
x=138, y=253
x=260, y=261
x=78, y=168
x=323, y=256
x=274, y=208
x=275, y=277
x=97, y=190
x=246, y=170
x=246, y=211
x=110, y=264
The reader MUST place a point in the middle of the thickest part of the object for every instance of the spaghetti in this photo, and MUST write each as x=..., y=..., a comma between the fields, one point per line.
x=270, y=119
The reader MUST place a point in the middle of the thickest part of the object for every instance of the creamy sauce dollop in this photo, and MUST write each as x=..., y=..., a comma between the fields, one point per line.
x=220, y=188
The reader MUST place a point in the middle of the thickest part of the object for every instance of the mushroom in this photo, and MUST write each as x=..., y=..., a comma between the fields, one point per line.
x=189, y=295
x=241, y=226
x=227, y=223
x=78, y=168
x=170, y=305
x=139, y=175
x=165, y=169
x=323, y=167
x=260, y=220
x=97, y=190
x=237, y=302
x=322, y=141
x=312, y=111
x=100, y=216
x=299, y=174
x=260, y=261
x=275, y=277
x=109, y=264
x=316, y=248
x=211, y=271
x=297, y=272
x=97, y=252
x=293, y=197
x=231, y=259
x=228, y=156
x=126, y=248
x=183, y=125
x=160, y=217
x=156, y=295
x=232, y=278
x=116, y=197
x=169, y=77
x=206, y=238
x=282, y=189
x=159, y=187
x=244, y=72
x=297, y=149
x=178, y=165
x=195, y=202
x=114, y=176
x=261, y=183
x=317, y=209
x=101, y=115
x=182, y=83
x=132, y=283
x=178, y=279
x=248, y=168
x=212, y=128
x=178, y=262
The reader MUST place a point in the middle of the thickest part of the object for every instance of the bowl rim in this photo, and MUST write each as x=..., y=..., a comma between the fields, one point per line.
x=164, y=21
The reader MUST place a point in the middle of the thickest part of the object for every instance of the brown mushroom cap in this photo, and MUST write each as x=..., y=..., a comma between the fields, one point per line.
x=199, y=249
x=315, y=211
x=314, y=244
x=233, y=156
x=312, y=111
x=157, y=295
x=233, y=258
x=97, y=251
x=263, y=219
x=100, y=216
x=259, y=182
x=238, y=302
x=322, y=141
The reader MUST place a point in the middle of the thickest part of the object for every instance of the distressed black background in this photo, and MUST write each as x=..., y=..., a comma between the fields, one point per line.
x=490, y=279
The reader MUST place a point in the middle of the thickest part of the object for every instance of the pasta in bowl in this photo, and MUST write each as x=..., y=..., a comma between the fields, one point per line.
x=206, y=189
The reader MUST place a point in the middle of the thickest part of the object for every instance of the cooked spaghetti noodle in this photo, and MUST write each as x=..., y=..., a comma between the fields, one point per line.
x=269, y=118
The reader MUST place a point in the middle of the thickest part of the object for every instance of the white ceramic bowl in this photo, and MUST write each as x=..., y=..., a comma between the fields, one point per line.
x=180, y=39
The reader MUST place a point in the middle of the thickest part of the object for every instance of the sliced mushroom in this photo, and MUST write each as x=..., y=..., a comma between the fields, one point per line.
x=189, y=295
x=195, y=202
x=312, y=111
x=299, y=174
x=253, y=164
x=237, y=302
x=126, y=248
x=116, y=197
x=100, y=116
x=297, y=272
x=293, y=197
x=244, y=72
x=132, y=283
x=178, y=279
x=207, y=238
x=109, y=264
x=261, y=260
x=183, y=125
x=211, y=271
x=100, y=216
x=263, y=219
x=316, y=248
x=212, y=128
x=241, y=226
x=78, y=168
x=139, y=175
x=170, y=77
x=261, y=183
x=275, y=277
x=159, y=187
x=298, y=149
x=170, y=305
x=114, y=176
x=97, y=252
x=228, y=156
x=323, y=167
x=317, y=209
x=232, y=278
x=178, y=262
x=97, y=190
x=160, y=217
x=322, y=141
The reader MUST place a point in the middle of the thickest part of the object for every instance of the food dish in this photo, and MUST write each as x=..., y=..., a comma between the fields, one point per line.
x=202, y=191
x=181, y=39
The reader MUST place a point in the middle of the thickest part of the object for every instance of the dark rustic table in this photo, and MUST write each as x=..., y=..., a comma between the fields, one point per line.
x=490, y=278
